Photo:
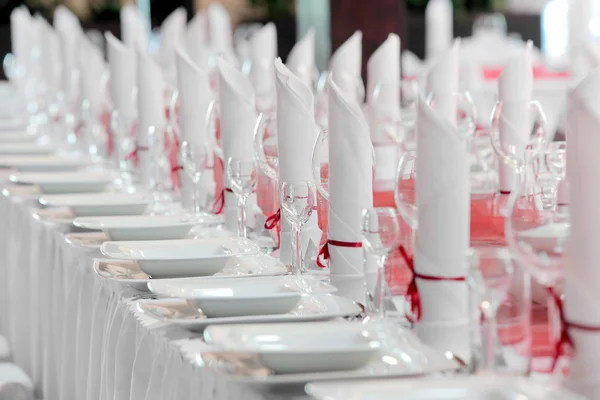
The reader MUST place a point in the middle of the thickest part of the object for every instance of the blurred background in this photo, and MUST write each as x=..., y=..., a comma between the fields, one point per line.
x=542, y=21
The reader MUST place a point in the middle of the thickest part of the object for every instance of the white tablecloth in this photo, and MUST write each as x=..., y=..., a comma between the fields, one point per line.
x=77, y=334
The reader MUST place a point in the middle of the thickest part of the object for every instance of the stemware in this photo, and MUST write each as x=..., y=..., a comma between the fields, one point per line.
x=242, y=176
x=158, y=166
x=381, y=235
x=459, y=108
x=490, y=277
x=195, y=158
x=395, y=104
x=556, y=163
x=297, y=202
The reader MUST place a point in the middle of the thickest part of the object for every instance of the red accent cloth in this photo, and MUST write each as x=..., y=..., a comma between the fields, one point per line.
x=324, y=252
x=110, y=139
x=273, y=220
x=172, y=148
x=134, y=155
x=539, y=72
x=412, y=294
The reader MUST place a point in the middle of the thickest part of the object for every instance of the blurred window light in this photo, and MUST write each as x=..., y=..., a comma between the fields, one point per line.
x=555, y=29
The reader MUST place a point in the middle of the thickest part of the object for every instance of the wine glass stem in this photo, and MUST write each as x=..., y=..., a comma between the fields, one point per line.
x=297, y=252
x=380, y=286
x=196, y=197
x=242, y=216
x=488, y=335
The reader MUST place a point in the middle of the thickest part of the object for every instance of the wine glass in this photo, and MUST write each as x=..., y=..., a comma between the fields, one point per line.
x=515, y=128
x=125, y=148
x=397, y=102
x=195, y=157
x=490, y=276
x=242, y=176
x=381, y=235
x=459, y=108
x=404, y=190
x=297, y=200
x=556, y=164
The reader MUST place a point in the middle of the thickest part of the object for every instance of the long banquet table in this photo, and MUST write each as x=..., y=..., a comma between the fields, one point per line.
x=78, y=335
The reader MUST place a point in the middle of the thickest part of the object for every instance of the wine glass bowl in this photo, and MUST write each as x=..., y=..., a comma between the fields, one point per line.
x=556, y=159
x=265, y=145
x=242, y=176
x=490, y=275
x=297, y=201
x=404, y=189
x=461, y=104
x=510, y=139
x=380, y=230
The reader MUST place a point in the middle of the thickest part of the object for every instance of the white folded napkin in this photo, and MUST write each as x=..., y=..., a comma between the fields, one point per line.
x=296, y=135
x=383, y=68
x=134, y=31
x=22, y=37
x=442, y=82
x=195, y=96
x=345, y=65
x=412, y=66
x=151, y=112
x=238, y=117
x=350, y=189
x=301, y=60
x=91, y=66
x=196, y=39
x=220, y=32
x=514, y=90
x=263, y=51
x=121, y=60
x=442, y=194
x=49, y=64
x=171, y=36
x=439, y=25
x=582, y=274
x=69, y=34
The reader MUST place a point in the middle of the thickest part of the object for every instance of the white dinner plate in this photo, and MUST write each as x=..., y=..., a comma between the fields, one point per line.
x=88, y=240
x=320, y=307
x=140, y=227
x=239, y=297
x=65, y=182
x=42, y=163
x=25, y=148
x=300, y=347
x=99, y=204
x=177, y=258
x=128, y=272
x=17, y=137
x=458, y=387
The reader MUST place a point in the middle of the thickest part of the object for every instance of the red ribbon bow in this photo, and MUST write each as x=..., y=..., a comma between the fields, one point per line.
x=324, y=252
x=564, y=339
x=412, y=293
x=134, y=154
x=219, y=204
x=273, y=220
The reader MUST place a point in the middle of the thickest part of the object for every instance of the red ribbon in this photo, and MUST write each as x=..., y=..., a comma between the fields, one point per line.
x=324, y=252
x=219, y=203
x=564, y=339
x=134, y=154
x=412, y=293
x=273, y=220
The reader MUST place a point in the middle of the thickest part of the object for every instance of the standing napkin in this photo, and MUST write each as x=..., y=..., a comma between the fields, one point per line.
x=345, y=65
x=121, y=61
x=442, y=194
x=220, y=32
x=439, y=27
x=263, y=51
x=301, y=60
x=69, y=33
x=196, y=39
x=171, y=35
x=350, y=190
x=514, y=91
x=21, y=36
x=383, y=68
x=49, y=64
x=442, y=82
x=296, y=135
x=195, y=95
x=238, y=117
x=151, y=112
x=133, y=27
x=582, y=273
x=91, y=66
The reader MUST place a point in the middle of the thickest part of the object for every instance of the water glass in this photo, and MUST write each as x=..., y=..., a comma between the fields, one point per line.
x=297, y=201
x=242, y=175
x=501, y=295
